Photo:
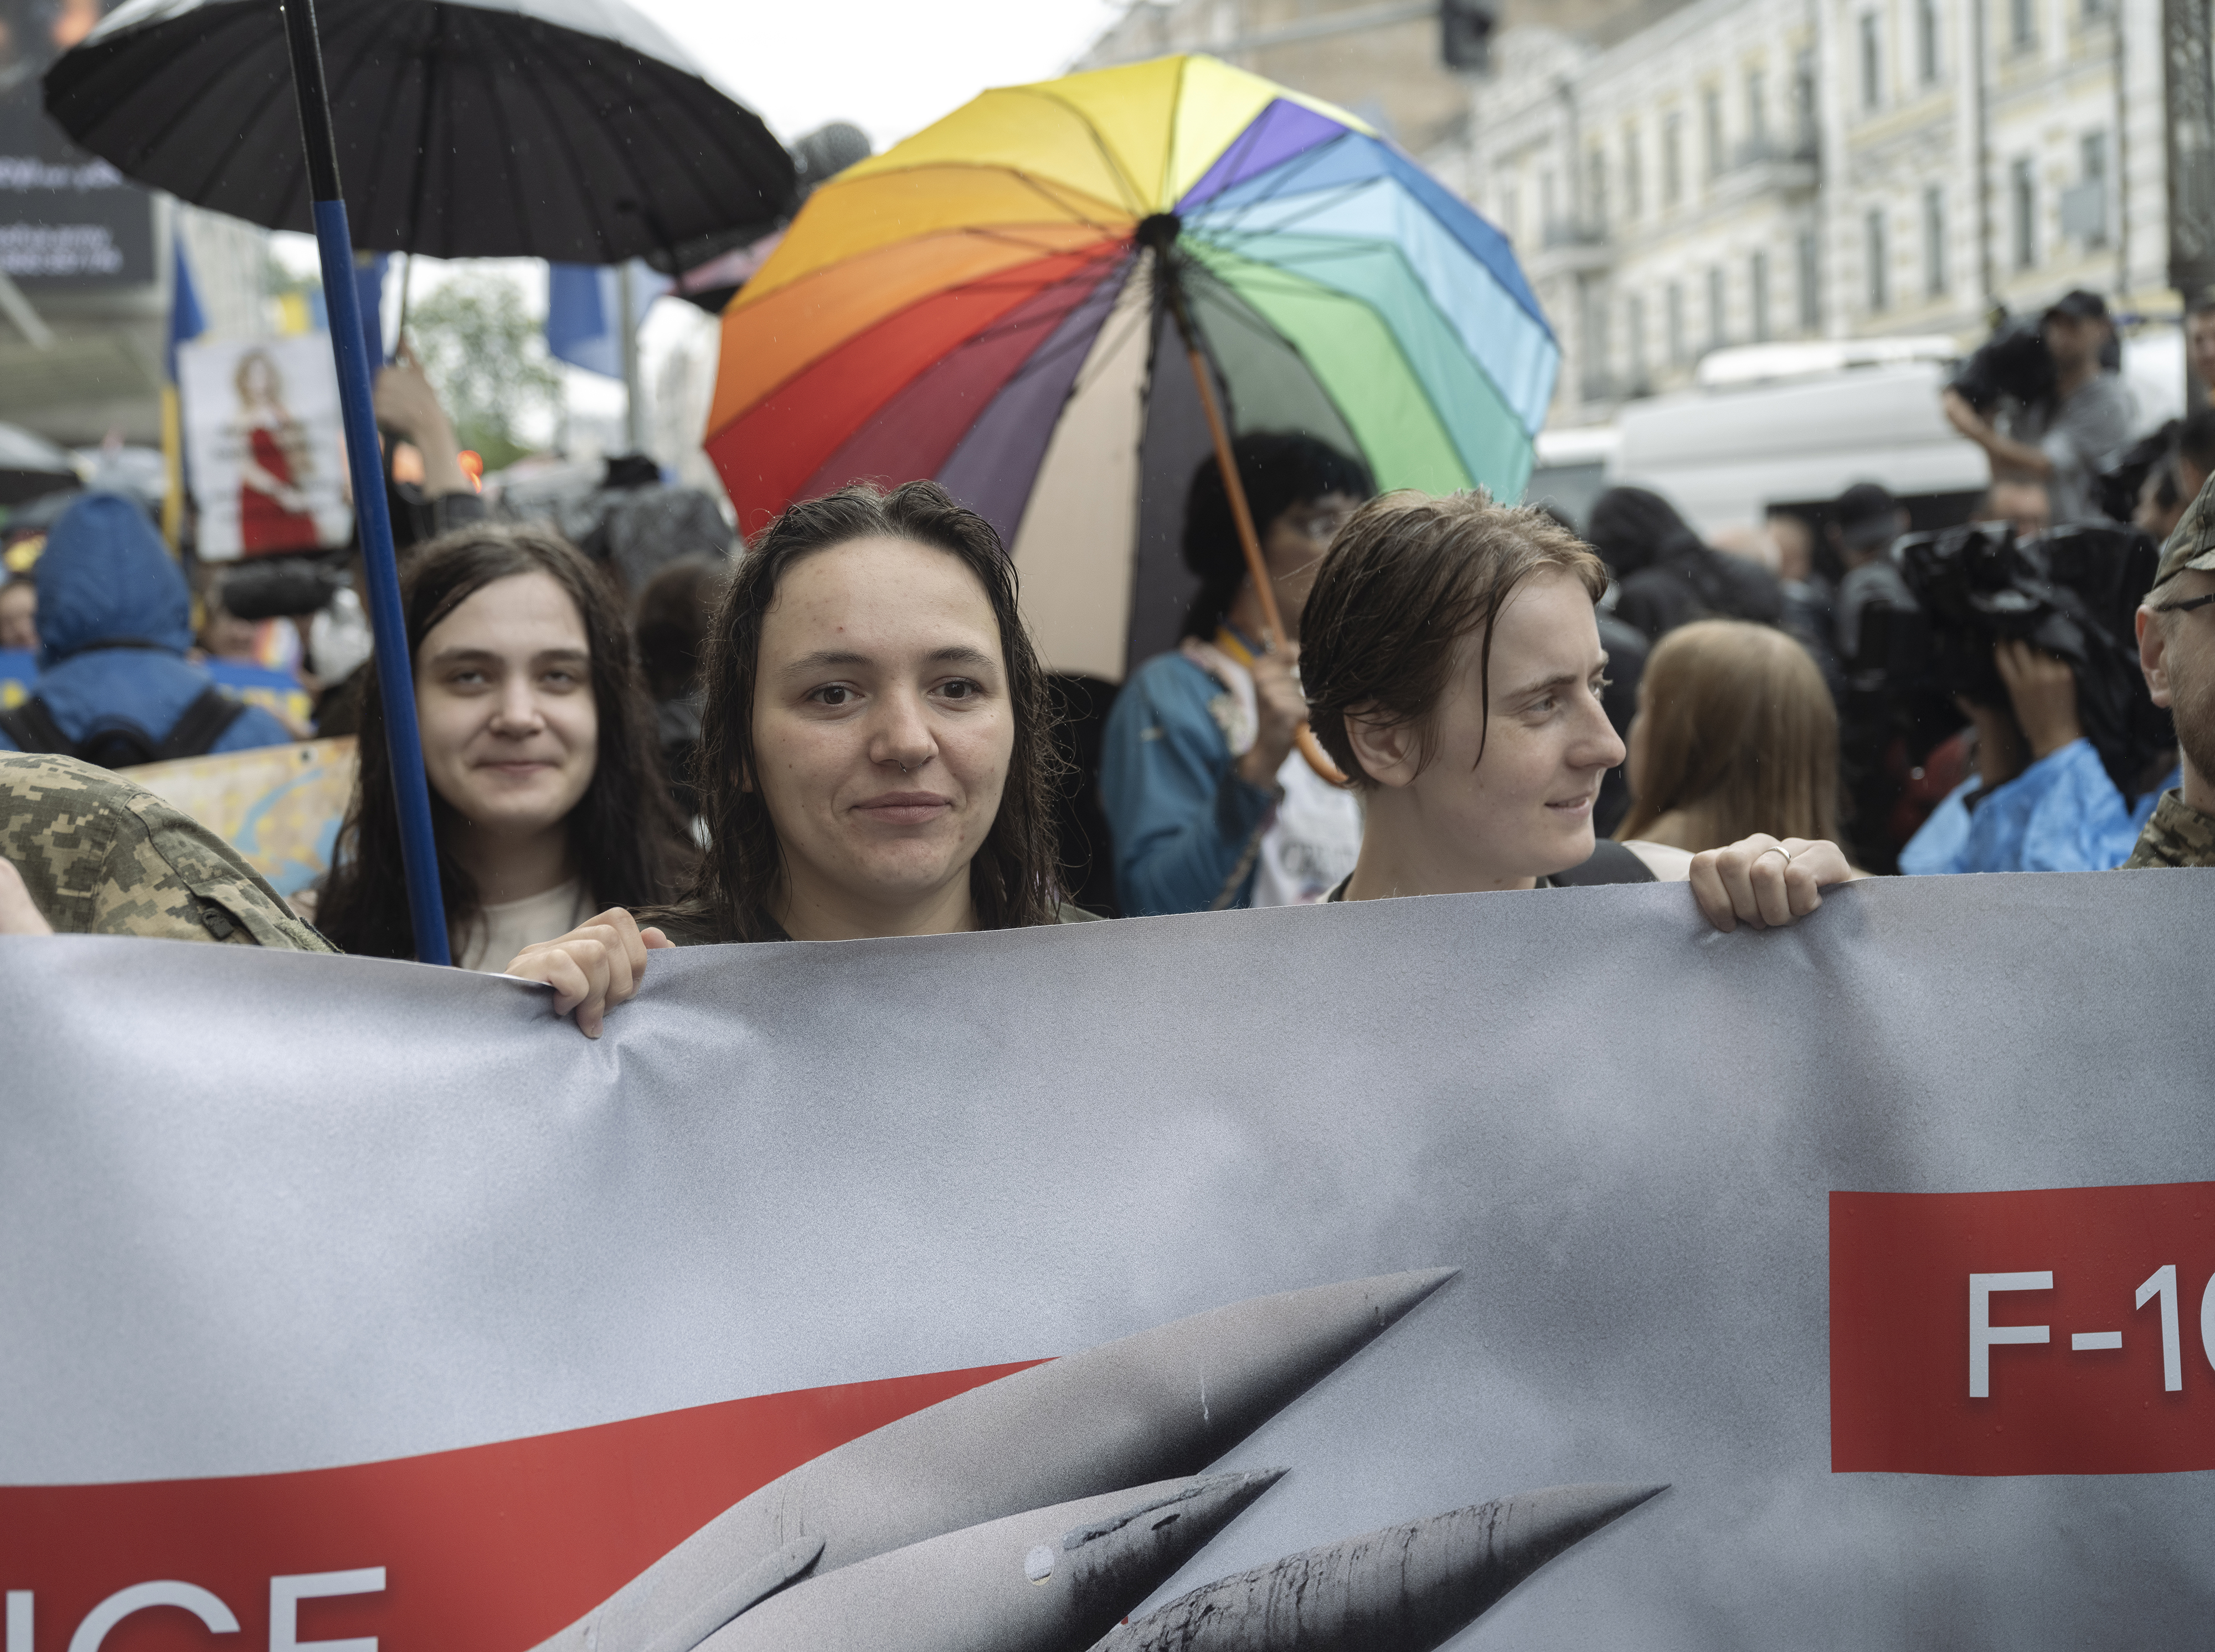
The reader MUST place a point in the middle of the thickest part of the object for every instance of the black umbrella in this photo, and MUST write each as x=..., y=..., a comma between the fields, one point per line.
x=32, y=467
x=572, y=130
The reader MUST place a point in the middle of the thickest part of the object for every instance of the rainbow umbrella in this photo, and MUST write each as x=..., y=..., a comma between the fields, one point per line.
x=1006, y=303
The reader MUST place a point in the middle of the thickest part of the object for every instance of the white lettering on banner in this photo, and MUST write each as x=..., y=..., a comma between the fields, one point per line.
x=2164, y=1284
x=1982, y=1334
x=138, y=1597
x=286, y=1594
x=19, y=1620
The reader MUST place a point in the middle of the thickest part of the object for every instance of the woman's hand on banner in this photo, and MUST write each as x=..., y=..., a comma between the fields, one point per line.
x=593, y=968
x=1765, y=881
x=19, y=913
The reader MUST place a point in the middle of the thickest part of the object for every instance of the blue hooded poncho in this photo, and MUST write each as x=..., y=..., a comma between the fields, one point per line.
x=114, y=621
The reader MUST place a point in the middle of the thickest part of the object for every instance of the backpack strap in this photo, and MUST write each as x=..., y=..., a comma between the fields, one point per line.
x=200, y=725
x=1610, y=863
x=35, y=731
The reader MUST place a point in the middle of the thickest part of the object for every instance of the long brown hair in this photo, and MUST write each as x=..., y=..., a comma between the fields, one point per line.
x=1406, y=578
x=1014, y=878
x=1739, y=731
x=627, y=839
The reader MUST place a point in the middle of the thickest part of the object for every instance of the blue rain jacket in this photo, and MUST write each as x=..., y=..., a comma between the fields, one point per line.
x=105, y=577
x=2061, y=814
x=1182, y=817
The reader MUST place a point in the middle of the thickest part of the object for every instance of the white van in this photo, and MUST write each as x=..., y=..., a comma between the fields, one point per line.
x=1797, y=424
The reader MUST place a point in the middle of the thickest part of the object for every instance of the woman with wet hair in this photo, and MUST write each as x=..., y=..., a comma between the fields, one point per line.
x=1736, y=734
x=876, y=754
x=546, y=795
x=1454, y=670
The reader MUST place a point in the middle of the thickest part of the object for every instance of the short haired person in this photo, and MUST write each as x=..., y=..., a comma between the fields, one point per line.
x=2200, y=337
x=1208, y=804
x=19, y=614
x=547, y=795
x=876, y=750
x=2063, y=439
x=1454, y=670
x=1669, y=576
x=1735, y=735
x=2040, y=800
x=2022, y=503
x=2176, y=651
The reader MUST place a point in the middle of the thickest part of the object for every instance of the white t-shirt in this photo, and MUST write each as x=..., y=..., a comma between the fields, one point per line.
x=504, y=929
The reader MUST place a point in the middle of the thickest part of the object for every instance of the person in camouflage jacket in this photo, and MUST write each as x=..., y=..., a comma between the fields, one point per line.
x=86, y=852
x=2176, y=649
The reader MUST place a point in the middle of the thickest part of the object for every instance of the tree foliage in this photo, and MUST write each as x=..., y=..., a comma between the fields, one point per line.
x=486, y=355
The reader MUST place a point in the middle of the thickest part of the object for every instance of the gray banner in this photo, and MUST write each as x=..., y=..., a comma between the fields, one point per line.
x=263, y=1213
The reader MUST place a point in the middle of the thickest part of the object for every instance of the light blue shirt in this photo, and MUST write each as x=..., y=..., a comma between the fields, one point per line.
x=2061, y=814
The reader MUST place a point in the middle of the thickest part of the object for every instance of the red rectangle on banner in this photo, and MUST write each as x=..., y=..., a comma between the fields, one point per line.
x=2058, y=1330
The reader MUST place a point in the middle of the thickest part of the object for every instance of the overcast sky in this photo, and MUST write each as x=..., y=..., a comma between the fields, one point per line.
x=889, y=66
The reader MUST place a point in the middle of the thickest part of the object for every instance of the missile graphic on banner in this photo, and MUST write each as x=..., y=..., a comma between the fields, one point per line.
x=1408, y=1587
x=1158, y=1405
x=1053, y=1580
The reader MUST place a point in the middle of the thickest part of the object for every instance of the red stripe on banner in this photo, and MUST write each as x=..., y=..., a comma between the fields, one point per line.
x=491, y=1547
x=2062, y=1330
x=767, y=453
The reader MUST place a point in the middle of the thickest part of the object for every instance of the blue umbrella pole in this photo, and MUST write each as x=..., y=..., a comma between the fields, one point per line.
x=396, y=682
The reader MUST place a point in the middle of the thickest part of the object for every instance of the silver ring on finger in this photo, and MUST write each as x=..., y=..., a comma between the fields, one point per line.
x=1777, y=849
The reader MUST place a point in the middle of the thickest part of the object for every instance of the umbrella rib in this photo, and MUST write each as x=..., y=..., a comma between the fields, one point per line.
x=428, y=73
x=1124, y=180
x=280, y=88
x=1287, y=172
x=554, y=71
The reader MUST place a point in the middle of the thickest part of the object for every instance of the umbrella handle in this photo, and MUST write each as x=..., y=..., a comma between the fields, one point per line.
x=395, y=681
x=1257, y=569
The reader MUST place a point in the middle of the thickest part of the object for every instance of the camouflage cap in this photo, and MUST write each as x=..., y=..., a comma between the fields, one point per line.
x=2193, y=544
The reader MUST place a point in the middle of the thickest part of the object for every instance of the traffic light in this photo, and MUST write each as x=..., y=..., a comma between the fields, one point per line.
x=1465, y=33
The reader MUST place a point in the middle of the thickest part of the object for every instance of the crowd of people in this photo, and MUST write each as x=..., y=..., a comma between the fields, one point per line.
x=845, y=730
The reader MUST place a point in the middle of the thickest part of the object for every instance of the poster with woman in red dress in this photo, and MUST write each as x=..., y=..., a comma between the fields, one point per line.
x=263, y=445
x=274, y=511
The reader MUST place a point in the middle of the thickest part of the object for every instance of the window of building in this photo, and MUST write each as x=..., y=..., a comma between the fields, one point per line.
x=1711, y=120
x=1758, y=290
x=2093, y=201
x=1633, y=334
x=1880, y=288
x=1803, y=100
x=2023, y=22
x=1676, y=320
x=1673, y=160
x=1926, y=41
x=2095, y=9
x=2023, y=189
x=1511, y=212
x=1596, y=188
x=1596, y=387
x=1756, y=109
x=1548, y=219
x=1934, y=241
x=1872, y=61
x=1806, y=251
x=1716, y=331
x=1634, y=180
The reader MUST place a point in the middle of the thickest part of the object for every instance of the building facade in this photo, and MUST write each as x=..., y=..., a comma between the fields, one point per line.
x=1732, y=172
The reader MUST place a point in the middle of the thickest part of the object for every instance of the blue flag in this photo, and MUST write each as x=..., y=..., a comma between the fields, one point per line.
x=582, y=302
